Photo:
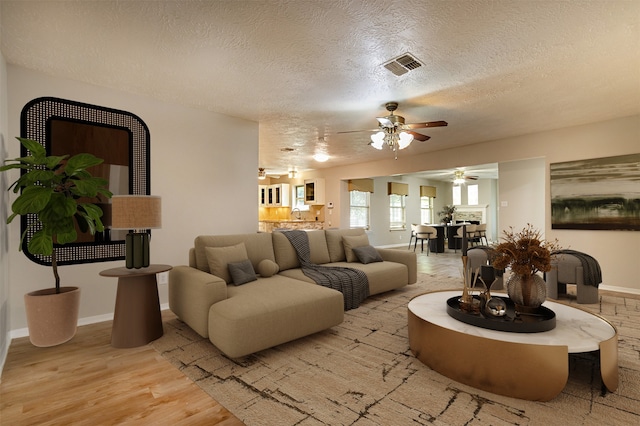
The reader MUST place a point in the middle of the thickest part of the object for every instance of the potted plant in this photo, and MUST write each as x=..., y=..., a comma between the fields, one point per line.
x=526, y=253
x=60, y=192
x=447, y=213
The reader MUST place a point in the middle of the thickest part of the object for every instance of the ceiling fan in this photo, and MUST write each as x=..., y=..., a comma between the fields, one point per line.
x=459, y=177
x=397, y=134
x=262, y=174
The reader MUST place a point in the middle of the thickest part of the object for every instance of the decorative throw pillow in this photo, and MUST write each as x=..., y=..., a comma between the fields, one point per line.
x=367, y=254
x=219, y=257
x=267, y=268
x=350, y=242
x=242, y=272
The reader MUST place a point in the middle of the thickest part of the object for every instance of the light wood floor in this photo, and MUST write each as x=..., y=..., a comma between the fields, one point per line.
x=87, y=382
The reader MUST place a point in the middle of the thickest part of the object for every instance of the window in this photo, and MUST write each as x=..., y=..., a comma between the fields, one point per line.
x=359, y=209
x=472, y=195
x=298, y=198
x=396, y=212
x=457, y=195
x=426, y=210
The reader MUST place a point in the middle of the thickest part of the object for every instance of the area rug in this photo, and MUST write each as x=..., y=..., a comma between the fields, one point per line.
x=363, y=373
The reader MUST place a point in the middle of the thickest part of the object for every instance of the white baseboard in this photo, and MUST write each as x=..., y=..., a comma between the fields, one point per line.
x=619, y=289
x=24, y=332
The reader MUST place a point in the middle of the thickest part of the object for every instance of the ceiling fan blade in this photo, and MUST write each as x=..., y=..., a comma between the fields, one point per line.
x=471, y=177
x=425, y=125
x=418, y=136
x=358, y=131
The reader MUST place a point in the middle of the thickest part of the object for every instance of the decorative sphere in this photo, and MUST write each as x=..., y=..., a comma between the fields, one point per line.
x=496, y=307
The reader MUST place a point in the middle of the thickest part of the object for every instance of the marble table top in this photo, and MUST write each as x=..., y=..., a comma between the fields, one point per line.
x=579, y=330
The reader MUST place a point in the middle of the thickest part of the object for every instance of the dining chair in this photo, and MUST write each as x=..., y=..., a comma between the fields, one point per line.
x=413, y=234
x=424, y=232
x=471, y=231
x=481, y=234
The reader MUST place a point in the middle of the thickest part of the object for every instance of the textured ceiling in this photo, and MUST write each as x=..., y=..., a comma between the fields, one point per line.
x=309, y=69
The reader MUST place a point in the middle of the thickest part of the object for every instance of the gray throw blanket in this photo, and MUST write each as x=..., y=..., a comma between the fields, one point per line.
x=352, y=283
x=591, y=267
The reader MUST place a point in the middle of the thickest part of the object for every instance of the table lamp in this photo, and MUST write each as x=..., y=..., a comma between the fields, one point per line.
x=136, y=213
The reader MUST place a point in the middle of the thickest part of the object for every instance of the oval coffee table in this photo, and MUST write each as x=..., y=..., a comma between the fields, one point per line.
x=533, y=366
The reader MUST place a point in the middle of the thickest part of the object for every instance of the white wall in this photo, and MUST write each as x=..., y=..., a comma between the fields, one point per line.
x=522, y=194
x=617, y=251
x=4, y=213
x=202, y=164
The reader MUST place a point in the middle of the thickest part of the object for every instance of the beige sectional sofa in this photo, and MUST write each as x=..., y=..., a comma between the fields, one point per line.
x=282, y=304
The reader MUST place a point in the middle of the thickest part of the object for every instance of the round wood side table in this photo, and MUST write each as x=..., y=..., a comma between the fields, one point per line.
x=136, y=319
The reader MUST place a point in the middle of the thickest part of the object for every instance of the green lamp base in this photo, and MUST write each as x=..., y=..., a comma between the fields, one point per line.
x=137, y=250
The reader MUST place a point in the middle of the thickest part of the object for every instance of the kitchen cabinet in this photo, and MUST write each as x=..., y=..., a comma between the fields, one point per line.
x=314, y=191
x=262, y=195
x=278, y=195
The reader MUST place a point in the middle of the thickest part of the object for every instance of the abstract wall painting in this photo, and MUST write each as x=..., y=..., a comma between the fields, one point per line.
x=599, y=193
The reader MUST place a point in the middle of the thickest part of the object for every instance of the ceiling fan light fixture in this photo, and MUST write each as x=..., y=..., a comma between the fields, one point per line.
x=395, y=133
x=405, y=140
x=377, y=140
x=458, y=177
x=292, y=173
x=262, y=175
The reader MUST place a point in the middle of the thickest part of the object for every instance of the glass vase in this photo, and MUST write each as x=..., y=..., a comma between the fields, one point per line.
x=527, y=290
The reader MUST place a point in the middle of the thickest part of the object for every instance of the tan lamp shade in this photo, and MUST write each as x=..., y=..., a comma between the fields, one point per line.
x=136, y=212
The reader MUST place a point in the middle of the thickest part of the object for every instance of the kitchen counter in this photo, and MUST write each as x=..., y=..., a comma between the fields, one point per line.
x=270, y=225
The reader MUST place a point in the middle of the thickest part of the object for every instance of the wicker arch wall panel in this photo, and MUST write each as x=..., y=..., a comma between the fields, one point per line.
x=35, y=123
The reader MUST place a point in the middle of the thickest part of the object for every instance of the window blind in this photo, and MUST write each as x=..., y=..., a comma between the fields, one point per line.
x=397, y=188
x=428, y=191
x=362, y=185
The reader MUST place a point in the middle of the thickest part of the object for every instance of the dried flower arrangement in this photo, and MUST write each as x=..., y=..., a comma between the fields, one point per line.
x=525, y=252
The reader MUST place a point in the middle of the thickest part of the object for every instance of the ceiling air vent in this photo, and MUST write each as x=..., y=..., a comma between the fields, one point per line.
x=403, y=64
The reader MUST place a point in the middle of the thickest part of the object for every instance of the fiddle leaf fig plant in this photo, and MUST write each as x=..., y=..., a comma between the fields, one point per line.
x=60, y=192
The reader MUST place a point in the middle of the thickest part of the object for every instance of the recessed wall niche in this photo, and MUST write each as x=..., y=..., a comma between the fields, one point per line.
x=119, y=137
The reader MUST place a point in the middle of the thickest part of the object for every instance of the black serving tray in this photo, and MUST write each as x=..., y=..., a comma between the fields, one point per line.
x=534, y=321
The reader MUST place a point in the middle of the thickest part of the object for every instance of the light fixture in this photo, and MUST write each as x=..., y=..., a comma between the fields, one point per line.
x=136, y=213
x=292, y=173
x=394, y=139
x=262, y=175
x=458, y=177
x=321, y=151
x=321, y=157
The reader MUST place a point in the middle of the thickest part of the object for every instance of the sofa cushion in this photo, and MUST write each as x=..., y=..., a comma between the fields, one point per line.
x=220, y=257
x=286, y=256
x=242, y=272
x=267, y=268
x=350, y=242
x=258, y=245
x=367, y=254
x=271, y=311
x=382, y=276
x=335, y=244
